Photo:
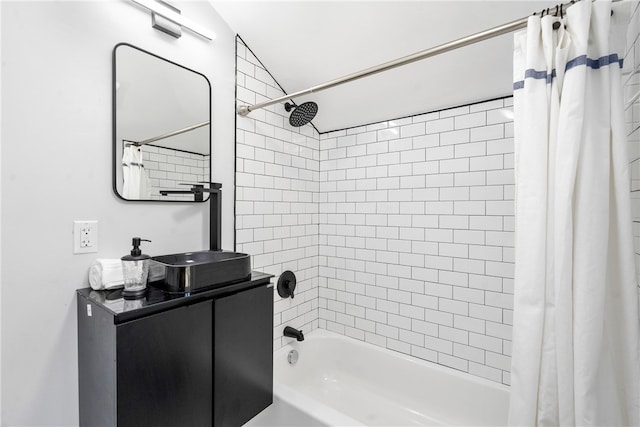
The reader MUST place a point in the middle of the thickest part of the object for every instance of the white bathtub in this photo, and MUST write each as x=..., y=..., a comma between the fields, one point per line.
x=339, y=381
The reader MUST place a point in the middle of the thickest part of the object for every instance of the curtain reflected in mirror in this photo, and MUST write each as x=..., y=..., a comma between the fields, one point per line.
x=162, y=130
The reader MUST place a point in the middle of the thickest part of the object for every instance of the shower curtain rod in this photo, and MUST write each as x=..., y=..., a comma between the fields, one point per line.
x=243, y=110
x=170, y=134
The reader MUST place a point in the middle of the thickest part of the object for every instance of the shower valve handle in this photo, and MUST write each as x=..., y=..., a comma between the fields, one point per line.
x=287, y=284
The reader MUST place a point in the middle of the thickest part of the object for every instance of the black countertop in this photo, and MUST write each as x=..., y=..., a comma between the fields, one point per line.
x=156, y=300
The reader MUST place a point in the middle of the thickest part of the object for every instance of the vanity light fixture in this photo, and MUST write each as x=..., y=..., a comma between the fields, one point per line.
x=168, y=19
x=165, y=25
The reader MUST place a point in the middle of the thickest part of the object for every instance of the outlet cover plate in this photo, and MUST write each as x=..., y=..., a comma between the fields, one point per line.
x=85, y=236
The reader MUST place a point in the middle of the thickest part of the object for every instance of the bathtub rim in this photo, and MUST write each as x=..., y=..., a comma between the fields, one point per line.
x=319, y=333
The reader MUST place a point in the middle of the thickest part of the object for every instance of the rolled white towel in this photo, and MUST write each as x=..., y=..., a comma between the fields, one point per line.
x=106, y=274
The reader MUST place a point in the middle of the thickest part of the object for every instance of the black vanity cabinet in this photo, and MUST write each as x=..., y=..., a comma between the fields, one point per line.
x=166, y=360
x=163, y=374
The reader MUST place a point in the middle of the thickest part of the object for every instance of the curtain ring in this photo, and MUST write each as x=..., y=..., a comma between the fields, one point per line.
x=556, y=12
x=561, y=11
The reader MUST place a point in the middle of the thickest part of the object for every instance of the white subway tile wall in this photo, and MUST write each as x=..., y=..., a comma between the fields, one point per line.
x=400, y=232
x=631, y=79
x=277, y=189
x=167, y=169
x=416, y=236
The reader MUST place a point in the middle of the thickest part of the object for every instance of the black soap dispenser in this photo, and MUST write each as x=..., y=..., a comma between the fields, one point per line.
x=135, y=268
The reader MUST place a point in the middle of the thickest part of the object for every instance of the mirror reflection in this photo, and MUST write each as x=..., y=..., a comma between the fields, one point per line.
x=162, y=131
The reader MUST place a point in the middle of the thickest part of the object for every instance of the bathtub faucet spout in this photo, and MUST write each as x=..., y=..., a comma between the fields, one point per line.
x=293, y=333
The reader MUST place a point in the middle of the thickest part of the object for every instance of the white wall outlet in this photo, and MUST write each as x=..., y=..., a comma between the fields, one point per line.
x=85, y=237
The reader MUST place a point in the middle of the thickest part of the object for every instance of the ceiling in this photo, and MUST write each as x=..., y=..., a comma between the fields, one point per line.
x=305, y=43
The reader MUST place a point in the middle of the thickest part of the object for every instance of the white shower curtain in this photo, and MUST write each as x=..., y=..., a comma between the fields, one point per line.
x=576, y=326
x=135, y=185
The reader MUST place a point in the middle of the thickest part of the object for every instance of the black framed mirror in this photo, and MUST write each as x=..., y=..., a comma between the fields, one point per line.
x=161, y=127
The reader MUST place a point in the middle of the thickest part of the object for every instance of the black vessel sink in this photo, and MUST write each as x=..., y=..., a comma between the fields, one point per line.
x=192, y=271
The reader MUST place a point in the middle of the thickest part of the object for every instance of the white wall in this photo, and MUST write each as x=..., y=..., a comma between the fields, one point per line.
x=56, y=167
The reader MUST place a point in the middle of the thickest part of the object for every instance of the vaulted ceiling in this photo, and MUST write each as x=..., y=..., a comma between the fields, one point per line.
x=304, y=43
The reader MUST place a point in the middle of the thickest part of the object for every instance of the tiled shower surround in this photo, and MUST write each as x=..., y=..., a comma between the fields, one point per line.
x=416, y=236
x=400, y=232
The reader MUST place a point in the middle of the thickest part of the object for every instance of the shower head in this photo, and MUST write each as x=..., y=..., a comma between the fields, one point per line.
x=302, y=114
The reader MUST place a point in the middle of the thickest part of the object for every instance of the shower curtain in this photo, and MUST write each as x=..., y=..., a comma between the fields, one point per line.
x=135, y=179
x=576, y=326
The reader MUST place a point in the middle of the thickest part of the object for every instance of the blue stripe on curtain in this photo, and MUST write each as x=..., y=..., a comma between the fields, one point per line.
x=580, y=60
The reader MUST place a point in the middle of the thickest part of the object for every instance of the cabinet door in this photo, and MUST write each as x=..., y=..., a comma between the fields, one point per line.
x=243, y=356
x=164, y=368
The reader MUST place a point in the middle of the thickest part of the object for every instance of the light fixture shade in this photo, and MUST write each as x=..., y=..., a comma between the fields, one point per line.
x=165, y=11
x=165, y=25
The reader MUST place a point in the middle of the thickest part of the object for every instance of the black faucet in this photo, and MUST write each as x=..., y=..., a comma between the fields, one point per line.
x=293, y=333
x=215, y=209
x=215, y=216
